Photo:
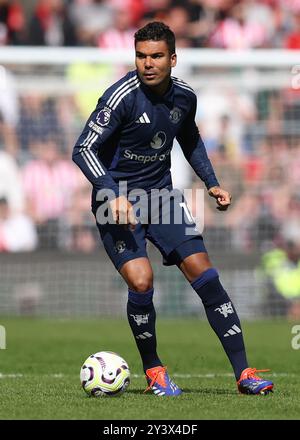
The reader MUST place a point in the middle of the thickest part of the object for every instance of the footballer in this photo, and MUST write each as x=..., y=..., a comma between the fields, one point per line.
x=128, y=138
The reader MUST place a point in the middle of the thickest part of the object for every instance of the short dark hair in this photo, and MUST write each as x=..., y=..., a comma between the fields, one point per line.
x=156, y=31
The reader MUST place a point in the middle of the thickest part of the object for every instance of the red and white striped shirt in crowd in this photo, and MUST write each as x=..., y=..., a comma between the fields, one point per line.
x=230, y=34
x=116, y=39
x=49, y=189
x=290, y=5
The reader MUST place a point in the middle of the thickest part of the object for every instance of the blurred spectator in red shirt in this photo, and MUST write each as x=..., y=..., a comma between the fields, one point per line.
x=155, y=10
x=136, y=9
x=10, y=183
x=79, y=226
x=38, y=120
x=178, y=21
x=120, y=36
x=91, y=17
x=50, y=25
x=9, y=111
x=12, y=22
x=49, y=182
x=292, y=40
x=239, y=30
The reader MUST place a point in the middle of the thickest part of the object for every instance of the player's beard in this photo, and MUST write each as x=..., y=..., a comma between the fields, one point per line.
x=159, y=85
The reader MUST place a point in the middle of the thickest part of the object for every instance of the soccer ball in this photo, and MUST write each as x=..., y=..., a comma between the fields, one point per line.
x=104, y=374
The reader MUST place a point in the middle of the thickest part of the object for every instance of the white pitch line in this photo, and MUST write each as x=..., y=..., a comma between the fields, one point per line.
x=138, y=376
x=17, y=375
x=212, y=375
x=13, y=376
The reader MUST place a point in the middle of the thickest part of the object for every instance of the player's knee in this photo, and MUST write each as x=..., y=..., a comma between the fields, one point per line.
x=138, y=275
x=195, y=265
x=142, y=283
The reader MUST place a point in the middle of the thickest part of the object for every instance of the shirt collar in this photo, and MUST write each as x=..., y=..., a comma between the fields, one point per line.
x=167, y=97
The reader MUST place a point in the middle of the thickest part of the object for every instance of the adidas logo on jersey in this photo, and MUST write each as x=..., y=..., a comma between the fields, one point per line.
x=234, y=330
x=144, y=119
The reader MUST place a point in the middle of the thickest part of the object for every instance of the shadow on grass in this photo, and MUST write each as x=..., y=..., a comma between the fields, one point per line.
x=210, y=391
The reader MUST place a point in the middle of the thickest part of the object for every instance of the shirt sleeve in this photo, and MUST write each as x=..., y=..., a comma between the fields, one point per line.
x=100, y=126
x=194, y=149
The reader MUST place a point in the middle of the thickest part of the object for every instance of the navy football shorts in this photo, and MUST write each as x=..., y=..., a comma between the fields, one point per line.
x=169, y=226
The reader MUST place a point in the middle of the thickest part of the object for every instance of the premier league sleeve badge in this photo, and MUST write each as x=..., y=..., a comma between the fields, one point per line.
x=103, y=117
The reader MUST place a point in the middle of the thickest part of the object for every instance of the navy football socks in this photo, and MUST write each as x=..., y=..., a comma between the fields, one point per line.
x=141, y=317
x=222, y=317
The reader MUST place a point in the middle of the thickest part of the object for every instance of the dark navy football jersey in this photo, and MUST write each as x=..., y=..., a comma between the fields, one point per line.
x=130, y=134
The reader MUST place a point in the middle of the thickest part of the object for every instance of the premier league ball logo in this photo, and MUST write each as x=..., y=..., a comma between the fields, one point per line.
x=103, y=117
x=158, y=140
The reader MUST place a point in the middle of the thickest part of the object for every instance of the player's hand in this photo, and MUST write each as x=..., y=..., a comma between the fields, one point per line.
x=122, y=212
x=222, y=197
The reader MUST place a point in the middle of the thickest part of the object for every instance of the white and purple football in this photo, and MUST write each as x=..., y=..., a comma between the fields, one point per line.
x=104, y=374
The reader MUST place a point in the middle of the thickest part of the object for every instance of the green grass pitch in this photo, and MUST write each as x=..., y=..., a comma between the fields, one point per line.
x=39, y=371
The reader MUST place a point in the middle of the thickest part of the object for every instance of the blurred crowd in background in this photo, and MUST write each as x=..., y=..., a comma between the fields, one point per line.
x=253, y=139
x=232, y=24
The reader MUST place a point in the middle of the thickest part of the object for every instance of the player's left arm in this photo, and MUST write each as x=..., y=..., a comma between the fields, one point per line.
x=195, y=152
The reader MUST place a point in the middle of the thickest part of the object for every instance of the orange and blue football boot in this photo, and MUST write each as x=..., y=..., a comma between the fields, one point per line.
x=160, y=383
x=249, y=383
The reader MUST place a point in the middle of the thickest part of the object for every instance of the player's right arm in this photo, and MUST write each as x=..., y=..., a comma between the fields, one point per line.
x=99, y=128
x=122, y=212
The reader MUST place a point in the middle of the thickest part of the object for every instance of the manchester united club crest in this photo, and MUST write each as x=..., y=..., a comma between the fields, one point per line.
x=175, y=115
x=120, y=247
